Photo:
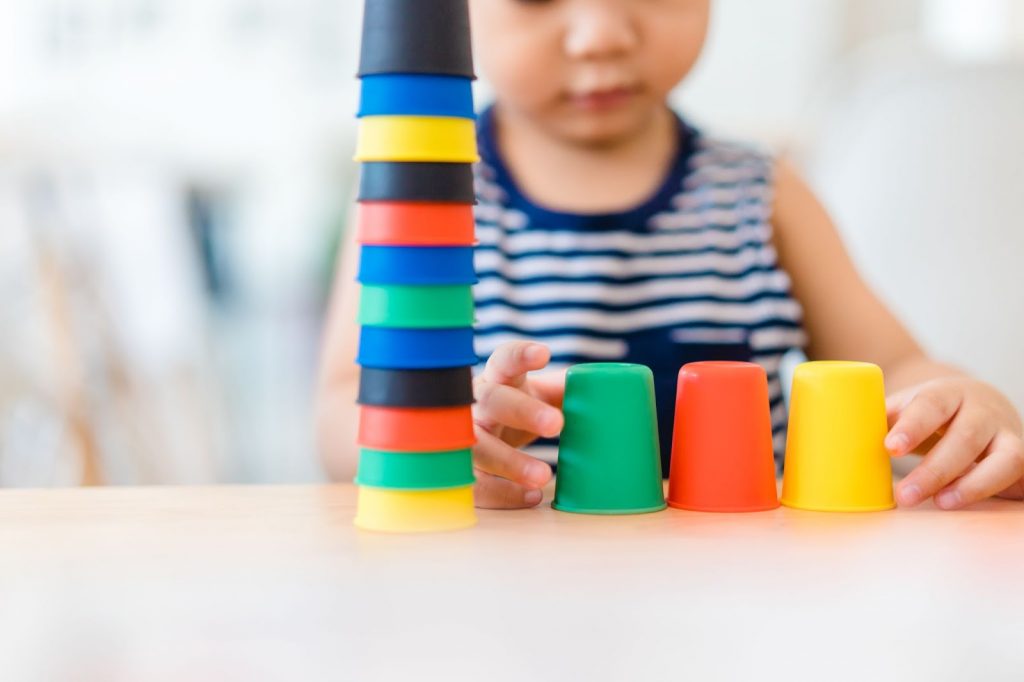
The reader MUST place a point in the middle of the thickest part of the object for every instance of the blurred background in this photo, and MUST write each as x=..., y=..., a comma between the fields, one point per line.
x=175, y=177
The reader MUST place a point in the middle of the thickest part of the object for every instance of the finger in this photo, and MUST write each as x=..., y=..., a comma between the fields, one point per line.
x=494, y=456
x=921, y=417
x=1002, y=467
x=510, y=362
x=964, y=441
x=897, y=402
x=1014, y=492
x=511, y=407
x=492, y=492
x=549, y=387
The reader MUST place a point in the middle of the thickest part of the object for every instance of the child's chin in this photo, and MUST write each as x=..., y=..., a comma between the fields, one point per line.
x=603, y=130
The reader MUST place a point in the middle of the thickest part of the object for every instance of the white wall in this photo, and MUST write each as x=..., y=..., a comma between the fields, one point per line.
x=252, y=101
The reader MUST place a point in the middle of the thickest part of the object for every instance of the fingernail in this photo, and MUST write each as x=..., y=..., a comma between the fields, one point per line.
x=949, y=499
x=896, y=443
x=534, y=353
x=909, y=495
x=533, y=497
x=549, y=421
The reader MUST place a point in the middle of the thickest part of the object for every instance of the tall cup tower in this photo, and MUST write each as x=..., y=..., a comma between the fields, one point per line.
x=417, y=144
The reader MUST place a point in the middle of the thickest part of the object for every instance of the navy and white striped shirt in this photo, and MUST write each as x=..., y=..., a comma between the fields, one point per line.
x=689, y=275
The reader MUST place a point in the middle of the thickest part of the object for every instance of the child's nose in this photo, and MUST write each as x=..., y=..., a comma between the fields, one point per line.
x=599, y=29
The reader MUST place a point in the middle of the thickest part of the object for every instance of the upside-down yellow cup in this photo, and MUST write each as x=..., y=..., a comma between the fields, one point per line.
x=835, y=454
x=419, y=511
x=416, y=138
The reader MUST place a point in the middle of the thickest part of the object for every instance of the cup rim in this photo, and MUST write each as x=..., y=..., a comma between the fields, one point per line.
x=384, y=264
x=444, y=387
x=415, y=138
x=840, y=509
x=416, y=94
x=416, y=182
x=724, y=509
x=608, y=512
x=447, y=509
x=457, y=419
x=413, y=469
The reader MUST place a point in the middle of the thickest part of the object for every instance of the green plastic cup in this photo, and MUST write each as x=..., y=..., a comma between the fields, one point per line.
x=416, y=307
x=415, y=470
x=609, y=461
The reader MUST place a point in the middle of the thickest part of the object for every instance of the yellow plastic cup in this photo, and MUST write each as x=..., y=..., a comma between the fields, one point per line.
x=416, y=138
x=835, y=455
x=419, y=511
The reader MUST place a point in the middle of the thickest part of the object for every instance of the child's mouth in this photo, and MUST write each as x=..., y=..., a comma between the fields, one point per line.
x=603, y=100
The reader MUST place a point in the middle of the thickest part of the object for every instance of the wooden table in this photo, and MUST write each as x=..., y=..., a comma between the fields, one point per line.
x=274, y=583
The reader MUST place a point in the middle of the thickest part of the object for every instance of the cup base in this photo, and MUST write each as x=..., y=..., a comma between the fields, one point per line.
x=839, y=509
x=404, y=511
x=401, y=529
x=724, y=510
x=608, y=512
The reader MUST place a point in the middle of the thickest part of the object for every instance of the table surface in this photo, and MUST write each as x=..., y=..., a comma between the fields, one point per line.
x=269, y=583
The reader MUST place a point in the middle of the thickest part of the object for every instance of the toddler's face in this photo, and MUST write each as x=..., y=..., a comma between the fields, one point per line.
x=588, y=71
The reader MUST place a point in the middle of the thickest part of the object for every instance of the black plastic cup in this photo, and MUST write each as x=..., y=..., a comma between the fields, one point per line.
x=448, y=387
x=416, y=36
x=450, y=183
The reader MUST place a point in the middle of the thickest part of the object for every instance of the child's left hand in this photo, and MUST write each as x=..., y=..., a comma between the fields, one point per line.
x=980, y=452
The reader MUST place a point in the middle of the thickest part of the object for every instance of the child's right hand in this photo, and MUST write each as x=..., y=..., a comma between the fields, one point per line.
x=511, y=411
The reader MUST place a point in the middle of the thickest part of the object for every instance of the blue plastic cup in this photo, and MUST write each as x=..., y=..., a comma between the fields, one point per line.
x=393, y=348
x=417, y=265
x=416, y=95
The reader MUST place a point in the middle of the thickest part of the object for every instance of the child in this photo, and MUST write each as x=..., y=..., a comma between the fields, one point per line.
x=610, y=229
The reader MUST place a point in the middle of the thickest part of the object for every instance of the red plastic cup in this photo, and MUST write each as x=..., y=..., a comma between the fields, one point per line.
x=402, y=223
x=722, y=457
x=411, y=429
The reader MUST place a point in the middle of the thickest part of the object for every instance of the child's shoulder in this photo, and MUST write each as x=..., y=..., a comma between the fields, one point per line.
x=713, y=156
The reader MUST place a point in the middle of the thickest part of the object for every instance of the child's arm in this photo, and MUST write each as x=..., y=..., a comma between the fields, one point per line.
x=336, y=412
x=511, y=409
x=977, y=449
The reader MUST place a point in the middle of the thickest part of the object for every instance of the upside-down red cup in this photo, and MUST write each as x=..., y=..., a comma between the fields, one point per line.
x=410, y=223
x=412, y=429
x=722, y=458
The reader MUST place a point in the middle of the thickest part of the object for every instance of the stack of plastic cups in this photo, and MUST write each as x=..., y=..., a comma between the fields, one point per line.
x=417, y=142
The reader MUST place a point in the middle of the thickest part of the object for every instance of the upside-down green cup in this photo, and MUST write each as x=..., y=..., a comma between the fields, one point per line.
x=416, y=307
x=415, y=470
x=609, y=461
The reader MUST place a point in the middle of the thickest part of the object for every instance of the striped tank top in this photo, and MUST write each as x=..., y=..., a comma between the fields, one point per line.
x=691, y=274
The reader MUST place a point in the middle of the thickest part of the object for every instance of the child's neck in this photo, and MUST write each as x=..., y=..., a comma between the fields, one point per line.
x=564, y=175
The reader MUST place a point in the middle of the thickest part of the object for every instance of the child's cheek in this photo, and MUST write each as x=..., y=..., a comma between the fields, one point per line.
x=530, y=85
x=671, y=51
